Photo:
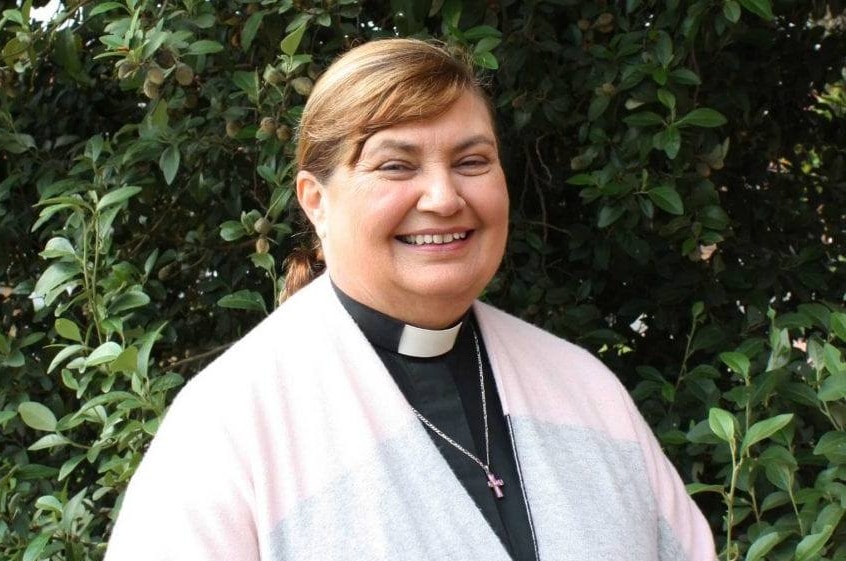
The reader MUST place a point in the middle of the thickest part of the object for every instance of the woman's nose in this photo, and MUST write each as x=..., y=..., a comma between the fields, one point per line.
x=441, y=195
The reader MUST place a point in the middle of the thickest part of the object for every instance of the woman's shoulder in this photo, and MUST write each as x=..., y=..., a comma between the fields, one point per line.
x=288, y=338
x=547, y=377
x=515, y=333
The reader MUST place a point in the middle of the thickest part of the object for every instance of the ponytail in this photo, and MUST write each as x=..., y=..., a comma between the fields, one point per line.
x=302, y=266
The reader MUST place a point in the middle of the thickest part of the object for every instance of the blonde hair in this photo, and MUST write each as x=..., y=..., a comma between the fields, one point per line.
x=372, y=87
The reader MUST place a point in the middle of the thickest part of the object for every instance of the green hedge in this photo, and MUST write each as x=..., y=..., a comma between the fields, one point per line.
x=678, y=196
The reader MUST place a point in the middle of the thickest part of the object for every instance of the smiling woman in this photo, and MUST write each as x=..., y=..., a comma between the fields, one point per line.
x=416, y=227
x=382, y=412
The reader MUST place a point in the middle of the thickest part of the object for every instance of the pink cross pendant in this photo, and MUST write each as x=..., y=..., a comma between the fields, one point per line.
x=495, y=483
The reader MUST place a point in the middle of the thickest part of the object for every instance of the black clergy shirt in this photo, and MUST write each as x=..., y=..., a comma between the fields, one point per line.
x=446, y=390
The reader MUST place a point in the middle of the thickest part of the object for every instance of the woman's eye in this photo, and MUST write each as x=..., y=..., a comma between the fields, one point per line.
x=394, y=166
x=474, y=164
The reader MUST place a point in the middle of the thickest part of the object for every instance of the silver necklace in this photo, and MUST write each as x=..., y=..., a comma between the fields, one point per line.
x=494, y=482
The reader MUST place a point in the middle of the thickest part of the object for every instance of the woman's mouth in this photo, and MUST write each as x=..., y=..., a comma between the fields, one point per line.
x=433, y=239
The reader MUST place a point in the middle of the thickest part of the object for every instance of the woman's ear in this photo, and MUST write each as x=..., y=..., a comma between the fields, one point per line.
x=313, y=200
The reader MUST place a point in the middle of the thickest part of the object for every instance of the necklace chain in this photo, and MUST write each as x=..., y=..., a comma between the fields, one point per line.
x=493, y=482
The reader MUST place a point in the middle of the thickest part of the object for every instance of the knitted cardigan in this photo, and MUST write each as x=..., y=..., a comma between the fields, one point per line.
x=296, y=444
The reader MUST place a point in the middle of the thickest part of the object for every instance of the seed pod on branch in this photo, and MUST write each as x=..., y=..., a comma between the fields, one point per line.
x=155, y=75
x=184, y=74
x=302, y=85
x=151, y=90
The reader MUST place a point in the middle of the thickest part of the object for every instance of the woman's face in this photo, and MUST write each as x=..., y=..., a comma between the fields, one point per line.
x=417, y=226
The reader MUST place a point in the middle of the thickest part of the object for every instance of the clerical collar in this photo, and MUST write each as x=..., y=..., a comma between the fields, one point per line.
x=391, y=334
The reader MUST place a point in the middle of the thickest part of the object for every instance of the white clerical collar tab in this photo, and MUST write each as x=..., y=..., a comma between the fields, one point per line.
x=426, y=343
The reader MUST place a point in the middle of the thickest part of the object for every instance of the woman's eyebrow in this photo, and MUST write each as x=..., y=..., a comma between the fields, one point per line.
x=474, y=140
x=394, y=144
x=412, y=148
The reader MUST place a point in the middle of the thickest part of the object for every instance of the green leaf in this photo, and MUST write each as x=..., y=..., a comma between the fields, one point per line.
x=664, y=49
x=832, y=359
x=13, y=15
x=204, y=47
x=63, y=355
x=702, y=117
x=609, y=214
x=14, y=360
x=134, y=298
x=451, y=13
x=105, y=7
x=793, y=320
x=779, y=466
x=668, y=140
x=837, y=321
x=722, y=424
x=830, y=515
x=153, y=41
x=713, y=217
x=37, y=416
x=169, y=163
x=685, y=77
x=36, y=546
x=243, y=300
x=291, y=42
x=812, y=544
x=764, y=429
x=49, y=441
x=660, y=75
x=486, y=60
x=279, y=200
x=232, y=230
x=667, y=99
x=480, y=32
x=117, y=196
x=55, y=275
x=761, y=8
x=94, y=147
x=57, y=247
x=598, y=106
x=486, y=45
x=251, y=27
x=667, y=199
x=644, y=119
x=731, y=11
x=775, y=500
x=738, y=362
x=833, y=388
x=763, y=545
x=832, y=445
x=247, y=82
x=708, y=337
x=582, y=179
x=127, y=361
x=49, y=502
x=147, y=342
x=68, y=467
x=263, y=261
x=203, y=21
x=68, y=329
x=694, y=488
x=106, y=352
x=5, y=415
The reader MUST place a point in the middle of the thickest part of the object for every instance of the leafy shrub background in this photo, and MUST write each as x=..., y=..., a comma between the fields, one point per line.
x=678, y=180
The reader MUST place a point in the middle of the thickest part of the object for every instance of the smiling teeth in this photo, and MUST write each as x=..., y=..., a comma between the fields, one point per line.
x=434, y=238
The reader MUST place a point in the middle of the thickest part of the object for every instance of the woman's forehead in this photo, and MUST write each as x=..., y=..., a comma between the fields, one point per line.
x=466, y=123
